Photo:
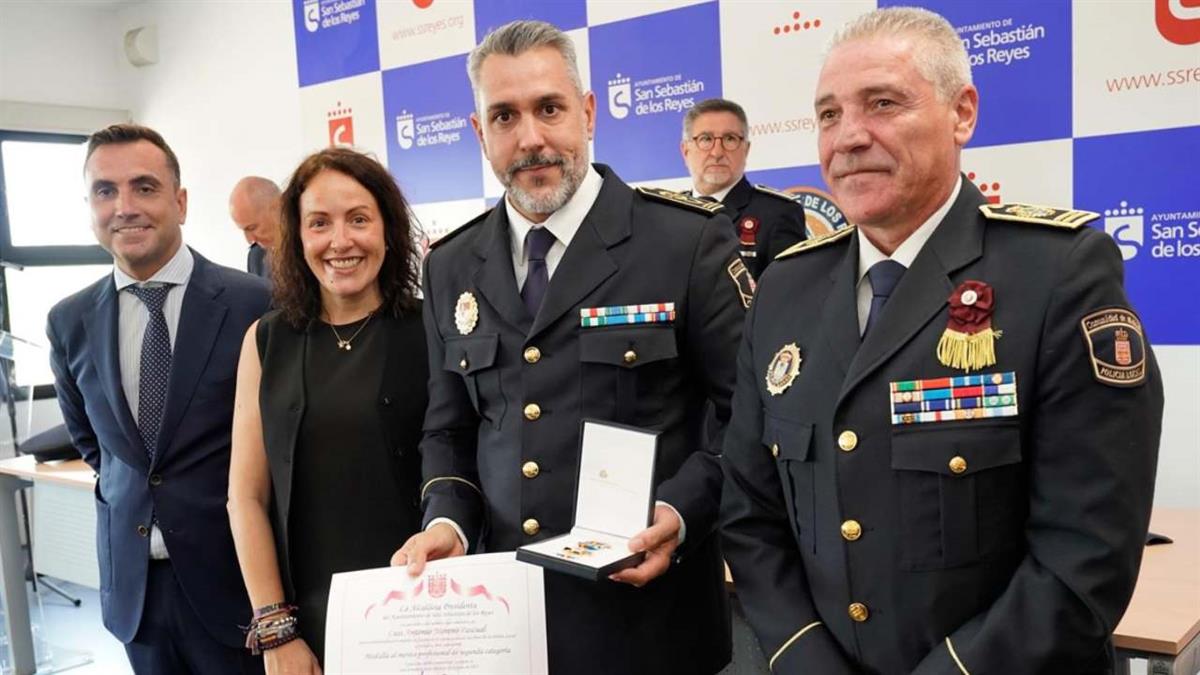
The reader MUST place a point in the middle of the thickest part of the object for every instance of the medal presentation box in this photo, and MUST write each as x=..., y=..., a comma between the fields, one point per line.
x=614, y=500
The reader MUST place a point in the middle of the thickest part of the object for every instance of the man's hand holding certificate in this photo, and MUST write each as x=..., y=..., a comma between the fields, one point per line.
x=472, y=614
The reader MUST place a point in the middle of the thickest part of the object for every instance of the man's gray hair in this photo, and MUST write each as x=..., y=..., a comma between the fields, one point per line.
x=939, y=56
x=714, y=105
x=516, y=38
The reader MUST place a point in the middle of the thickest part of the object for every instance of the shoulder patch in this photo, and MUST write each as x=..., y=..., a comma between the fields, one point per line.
x=775, y=193
x=1116, y=346
x=679, y=199
x=460, y=229
x=742, y=281
x=1070, y=219
x=816, y=242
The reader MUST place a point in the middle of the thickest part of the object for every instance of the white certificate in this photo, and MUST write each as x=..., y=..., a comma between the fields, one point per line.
x=471, y=614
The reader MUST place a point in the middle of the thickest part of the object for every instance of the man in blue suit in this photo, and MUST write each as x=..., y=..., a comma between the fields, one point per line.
x=145, y=361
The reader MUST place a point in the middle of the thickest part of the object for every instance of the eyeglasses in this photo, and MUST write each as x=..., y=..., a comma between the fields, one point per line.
x=728, y=141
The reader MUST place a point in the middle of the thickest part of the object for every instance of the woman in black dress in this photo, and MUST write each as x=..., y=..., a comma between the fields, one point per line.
x=325, y=472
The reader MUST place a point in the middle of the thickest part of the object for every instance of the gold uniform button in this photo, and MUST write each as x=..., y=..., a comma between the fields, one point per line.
x=530, y=469
x=957, y=464
x=630, y=356
x=858, y=612
x=142, y=530
x=533, y=355
x=533, y=411
x=463, y=364
x=847, y=440
x=531, y=526
x=774, y=446
x=851, y=530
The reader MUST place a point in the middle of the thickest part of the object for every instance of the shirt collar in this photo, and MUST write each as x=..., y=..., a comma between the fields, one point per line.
x=563, y=223
x=719, y=195
x=177, y=271
x=907, y=251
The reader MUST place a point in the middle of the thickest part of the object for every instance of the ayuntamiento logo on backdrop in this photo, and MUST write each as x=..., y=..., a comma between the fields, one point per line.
x=644, y=84
x=1143, y=185
x=432, y=149
x=1178, y=20
x=334, y=39
x=1020, y=59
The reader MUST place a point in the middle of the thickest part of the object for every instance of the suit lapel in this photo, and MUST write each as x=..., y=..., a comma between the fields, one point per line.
x=102, y=324
x=925, y=287
x=840, y=316
x=200, y=319
x=587, y=262
x=738, y=199
x=494, y=278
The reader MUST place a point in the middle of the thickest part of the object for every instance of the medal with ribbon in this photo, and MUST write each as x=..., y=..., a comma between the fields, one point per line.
x=969, y=341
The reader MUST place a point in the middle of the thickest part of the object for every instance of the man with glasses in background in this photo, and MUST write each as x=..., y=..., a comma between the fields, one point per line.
x=715, y=147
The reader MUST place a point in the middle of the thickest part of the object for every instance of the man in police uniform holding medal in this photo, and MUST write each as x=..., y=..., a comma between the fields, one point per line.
x=577, y=297
x=715, y=146
x=955, y=472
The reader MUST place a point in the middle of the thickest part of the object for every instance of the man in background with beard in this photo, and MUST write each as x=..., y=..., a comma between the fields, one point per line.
x=514, y=369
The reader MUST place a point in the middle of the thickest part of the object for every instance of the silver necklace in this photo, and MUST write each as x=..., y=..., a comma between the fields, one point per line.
x=345, y=344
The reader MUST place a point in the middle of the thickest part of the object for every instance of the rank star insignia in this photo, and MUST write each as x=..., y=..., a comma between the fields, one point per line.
x=466, y=313
x=783, y=368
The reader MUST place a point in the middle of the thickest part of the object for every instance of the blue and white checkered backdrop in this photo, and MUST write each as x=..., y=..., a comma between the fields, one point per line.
x=1093, y=104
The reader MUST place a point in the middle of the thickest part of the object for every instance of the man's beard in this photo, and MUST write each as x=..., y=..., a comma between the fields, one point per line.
x=572, y=176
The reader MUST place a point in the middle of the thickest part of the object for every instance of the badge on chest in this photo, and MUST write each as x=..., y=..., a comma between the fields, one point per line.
x=783, y=368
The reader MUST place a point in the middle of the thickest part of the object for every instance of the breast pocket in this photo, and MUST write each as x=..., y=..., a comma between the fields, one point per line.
x=627, y=373
x=790, y=443
x=473, y=357
x=962, y=493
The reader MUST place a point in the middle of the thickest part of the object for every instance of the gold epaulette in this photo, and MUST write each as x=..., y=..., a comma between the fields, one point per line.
x=775, y=193
x=816, y=242
x=461, y=228
x=1038, y=215
x=679, y=199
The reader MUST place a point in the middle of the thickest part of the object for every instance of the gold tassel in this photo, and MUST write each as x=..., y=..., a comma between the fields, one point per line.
x=968, y=352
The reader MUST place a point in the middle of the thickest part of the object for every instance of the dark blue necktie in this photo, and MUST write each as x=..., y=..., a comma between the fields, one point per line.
x=537, y=244
x=155, y=366
x=884, y=276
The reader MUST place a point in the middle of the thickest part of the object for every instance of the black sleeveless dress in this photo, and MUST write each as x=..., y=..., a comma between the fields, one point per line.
x=348, y=508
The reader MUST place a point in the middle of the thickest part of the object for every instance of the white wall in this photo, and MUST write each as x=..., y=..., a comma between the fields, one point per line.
x=224, y=93
x=1178, y=481
x=60, y=53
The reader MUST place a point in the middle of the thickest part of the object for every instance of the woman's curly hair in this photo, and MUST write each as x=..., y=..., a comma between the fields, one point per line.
x=297, y=291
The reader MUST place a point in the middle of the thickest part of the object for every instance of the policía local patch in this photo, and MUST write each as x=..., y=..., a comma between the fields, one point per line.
x=1115, y=346
x=742, y=280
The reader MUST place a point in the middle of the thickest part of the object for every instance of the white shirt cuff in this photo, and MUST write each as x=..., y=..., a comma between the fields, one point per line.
x=682, y=525
x=462, y=538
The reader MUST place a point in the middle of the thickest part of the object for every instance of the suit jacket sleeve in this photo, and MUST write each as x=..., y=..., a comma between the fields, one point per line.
x=70, y=400
x=768, y=571
x=451, y=476
x=1091, y=453
x=714, y=321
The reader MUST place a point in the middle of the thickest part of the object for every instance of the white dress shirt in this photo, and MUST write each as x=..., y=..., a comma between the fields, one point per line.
x=563, y=224
x=132, y=319
x=904, y=254
x=719, y=195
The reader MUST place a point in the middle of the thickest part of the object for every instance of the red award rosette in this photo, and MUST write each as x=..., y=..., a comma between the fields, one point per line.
x=969, y=341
